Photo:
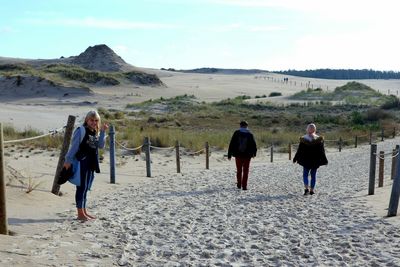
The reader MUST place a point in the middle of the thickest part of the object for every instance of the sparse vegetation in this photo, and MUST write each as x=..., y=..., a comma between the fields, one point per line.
x=351, y=93
x=273, y=94
x=66, y=73
x=193, y=122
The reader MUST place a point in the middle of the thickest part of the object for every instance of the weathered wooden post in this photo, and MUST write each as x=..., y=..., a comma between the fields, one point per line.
x=178, y=157
x=372, y=170
x=381, y=171
x=394, y=132
x=394, y=158
x=207, y=147
x=64, y=149
x=112, y=154
x=340, y=144
x=3, y=206
x=290, y=151
x=382, y=134
x=370, y=137
x=272, y=152
x=394, y=196
x=356, y=141
x=147, y=145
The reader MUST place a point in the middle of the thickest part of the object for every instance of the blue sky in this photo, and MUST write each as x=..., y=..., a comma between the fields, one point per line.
x=182, y=34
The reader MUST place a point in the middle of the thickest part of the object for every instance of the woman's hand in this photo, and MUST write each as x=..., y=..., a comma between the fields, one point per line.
x=104, y=127
x=67, y=165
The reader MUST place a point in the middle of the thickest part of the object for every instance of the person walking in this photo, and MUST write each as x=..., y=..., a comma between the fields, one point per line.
x=243, y=147
x=83, y=158
x=311, y=155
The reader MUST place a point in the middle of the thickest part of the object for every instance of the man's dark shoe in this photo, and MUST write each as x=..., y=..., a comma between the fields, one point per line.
x=312, y=192
x=244, y=188
x=306, y=192
x=239, y=186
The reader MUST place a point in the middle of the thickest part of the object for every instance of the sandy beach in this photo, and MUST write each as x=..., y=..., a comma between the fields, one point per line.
x=199, y=218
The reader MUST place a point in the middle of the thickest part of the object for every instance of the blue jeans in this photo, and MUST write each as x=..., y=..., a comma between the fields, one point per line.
x=87, y=176
x=306, y=172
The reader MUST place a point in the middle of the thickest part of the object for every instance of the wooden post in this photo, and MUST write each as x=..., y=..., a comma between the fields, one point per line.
x=372, y=170
x=3, y=206
x=207, y=147
x=356, y=141
x=64, y=149
x=394, y=157
x=370, y=137
x=272, y=153
x=381, y=168
x=394, y=132
x=112, y=154
x=147, y=145
x=382, y=133
x=394, y=196
x=178, y=157
x=290, y=151
x=340, y=144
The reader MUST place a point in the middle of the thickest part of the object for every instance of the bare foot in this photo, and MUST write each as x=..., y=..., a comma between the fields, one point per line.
x=82, y=218
x=91, y=216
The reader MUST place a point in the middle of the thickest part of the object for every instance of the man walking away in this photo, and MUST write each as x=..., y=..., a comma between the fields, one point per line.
x=243, y=147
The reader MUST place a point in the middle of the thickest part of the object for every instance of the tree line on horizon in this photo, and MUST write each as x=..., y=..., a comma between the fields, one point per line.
x=343, y=74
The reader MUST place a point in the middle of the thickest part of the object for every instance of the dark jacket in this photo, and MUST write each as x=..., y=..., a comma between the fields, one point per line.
x=311, y=154
x=242, y=144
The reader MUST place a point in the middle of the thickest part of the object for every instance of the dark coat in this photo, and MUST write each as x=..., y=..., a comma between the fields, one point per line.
x=242, y=145
x=311, y=154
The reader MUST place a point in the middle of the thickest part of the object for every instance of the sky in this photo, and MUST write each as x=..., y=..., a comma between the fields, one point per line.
x=186, y=34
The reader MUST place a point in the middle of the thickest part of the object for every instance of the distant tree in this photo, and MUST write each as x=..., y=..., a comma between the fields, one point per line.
x=343, y=74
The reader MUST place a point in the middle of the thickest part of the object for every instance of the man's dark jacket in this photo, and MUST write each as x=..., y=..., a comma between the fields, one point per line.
x=242, y=144
x=311, y=154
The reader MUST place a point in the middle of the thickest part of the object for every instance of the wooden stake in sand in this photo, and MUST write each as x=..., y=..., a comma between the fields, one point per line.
x=3, y=210
x=178, y=157
x=381, y=168
x=146, y=146
x=372, y=170
x=394, y=196
x=64, y=149
x=112, y=154
x=290, y=151
x=207, y=147
x=394, y=159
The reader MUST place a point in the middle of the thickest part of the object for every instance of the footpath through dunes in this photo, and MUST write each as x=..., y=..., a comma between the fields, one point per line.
x=201, y=219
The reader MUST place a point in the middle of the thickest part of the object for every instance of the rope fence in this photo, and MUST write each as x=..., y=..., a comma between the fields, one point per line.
x=394, y=175
x=52, y=132
x=146, y=147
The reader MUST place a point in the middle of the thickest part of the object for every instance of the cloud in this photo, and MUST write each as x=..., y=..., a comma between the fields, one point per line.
x=364, y=49
x=110, y=24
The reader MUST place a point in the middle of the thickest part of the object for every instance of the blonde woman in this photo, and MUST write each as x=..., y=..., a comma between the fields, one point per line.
x=83, y=158
x=311, y=155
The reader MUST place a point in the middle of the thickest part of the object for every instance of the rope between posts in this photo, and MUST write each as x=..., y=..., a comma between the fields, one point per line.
x=195, y=153
x=53, y=132
x=163, y=148
x=129, y=149
x=387, y=154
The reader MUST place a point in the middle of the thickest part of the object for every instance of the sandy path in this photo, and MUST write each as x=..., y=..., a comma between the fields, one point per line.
x=201, y=219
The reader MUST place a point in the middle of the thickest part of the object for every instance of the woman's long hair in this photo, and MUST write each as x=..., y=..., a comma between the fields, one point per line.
x=93, y=114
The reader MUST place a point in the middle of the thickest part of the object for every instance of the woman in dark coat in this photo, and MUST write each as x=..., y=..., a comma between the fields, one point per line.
x=311, y=155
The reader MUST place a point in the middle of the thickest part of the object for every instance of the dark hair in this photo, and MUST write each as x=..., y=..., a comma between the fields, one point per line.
x=243, y=124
